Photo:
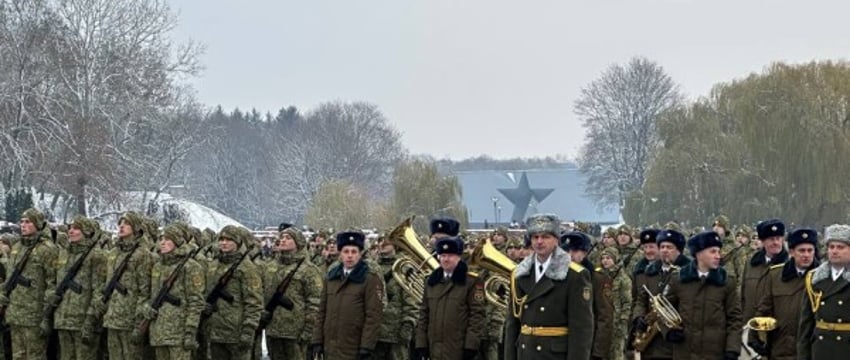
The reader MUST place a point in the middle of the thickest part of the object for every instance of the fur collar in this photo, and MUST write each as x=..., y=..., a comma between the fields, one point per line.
x=655, y=267
x=689, y=273
x=640, y=267
x=357, y=275
x=824, y=271
x=458, y=276
x=789, y=270
x=558, y=265
x=758, y=258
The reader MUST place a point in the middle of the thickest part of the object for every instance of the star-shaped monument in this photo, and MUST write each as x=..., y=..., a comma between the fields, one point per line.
x=522, y=195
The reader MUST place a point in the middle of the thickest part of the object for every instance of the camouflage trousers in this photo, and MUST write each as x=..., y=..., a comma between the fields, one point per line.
x=27, y=343
x=284, y=349
x=72, y=347
x=172, y=353
x=390, y=351
x=121, y=346
x=219, y=351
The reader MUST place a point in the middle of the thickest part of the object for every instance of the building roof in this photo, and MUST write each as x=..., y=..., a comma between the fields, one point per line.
x=522, y=193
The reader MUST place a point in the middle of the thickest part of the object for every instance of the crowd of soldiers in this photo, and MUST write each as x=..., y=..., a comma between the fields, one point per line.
x=659, y=292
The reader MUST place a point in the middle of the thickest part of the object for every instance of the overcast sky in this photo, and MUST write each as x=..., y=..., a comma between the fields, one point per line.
x=460, y=78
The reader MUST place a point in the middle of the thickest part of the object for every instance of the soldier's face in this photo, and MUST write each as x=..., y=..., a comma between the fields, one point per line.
x=349, y=255
x=74, y=234
x=804, y=255
x=607, y=240
x=387, y=250
x=624, y=239
x=286, y=243
x=709, y=257
x=449, y=262
x=650, y=251
x=743, y=239
x=772, y=245
x=226, y=245
x=719, y=230
x=669, y=252
x=165, y=245
x=577, y=255
x=124, y=229
x=607, y=261
x=839, y=253
x=544, y=244
x=498, y=239
x=27, y=227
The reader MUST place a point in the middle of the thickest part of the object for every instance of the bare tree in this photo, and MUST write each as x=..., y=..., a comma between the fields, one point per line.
x=619, y=111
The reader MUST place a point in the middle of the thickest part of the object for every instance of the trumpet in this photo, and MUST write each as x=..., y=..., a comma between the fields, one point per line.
x=415, y=264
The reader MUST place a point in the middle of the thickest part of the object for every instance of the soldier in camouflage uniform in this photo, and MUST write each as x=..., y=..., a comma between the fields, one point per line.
x=629, y=251
x=120, y=316
x=75, y=318
x=329, y=256
x=289, y=332
x=499, y=238
x=231, y=325
x=25, y=305
x=612, y=294
x=400, y=312
x=609, y=238
x=173, y=327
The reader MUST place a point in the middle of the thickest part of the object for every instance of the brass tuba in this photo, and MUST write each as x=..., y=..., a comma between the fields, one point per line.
x=498, y=284
x=662, y=313
x=415, y=262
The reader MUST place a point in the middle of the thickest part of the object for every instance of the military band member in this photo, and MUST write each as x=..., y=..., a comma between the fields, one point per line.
x=612, y=303
x=400, y=313
x=289, y=332
x=550, y=313
x=351, y=305
x=452, y=317
x=658, y=275
x=824, y=331
x=442, y=227
x=772, y=233
x=577, y=244
x=707, y=300
x=649, y=249
x=782, y=294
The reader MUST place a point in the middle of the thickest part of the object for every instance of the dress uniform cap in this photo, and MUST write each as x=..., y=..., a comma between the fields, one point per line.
x=770, y=228
x=802, y=236
x=355, y=238
x=671, y=236
x=575, y=240
x=838, y=232
x=543, y=223
x=648, y=236
x=704, y=240
x=446, y=226
x=450, y=245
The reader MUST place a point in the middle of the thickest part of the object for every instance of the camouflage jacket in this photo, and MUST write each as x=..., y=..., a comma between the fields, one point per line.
x=399, y=319
x=121, y=308
x=26, y=303
x=174, y=323
x=74, y=307
x=305, y=290
x=242, y=316
x=612, y=307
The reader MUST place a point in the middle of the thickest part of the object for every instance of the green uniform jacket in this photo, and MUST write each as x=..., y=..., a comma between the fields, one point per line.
x=402, y=309
x=304, y=290
x=174, y=324
x=74, y=308
x=240, y=317
x=562, y=298
x=710, y=311
x=820, y=344
x=754, y=273
x=26, y=305
x=453, y=314
x=656, y=280
x=350, y=311
x=782, y=295
x=121, y=309
x=612, y=302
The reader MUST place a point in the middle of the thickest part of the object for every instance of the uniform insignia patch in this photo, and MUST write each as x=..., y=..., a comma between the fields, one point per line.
x=585, y=293
x=197, y=281
x=478, y=295
x=254, y=282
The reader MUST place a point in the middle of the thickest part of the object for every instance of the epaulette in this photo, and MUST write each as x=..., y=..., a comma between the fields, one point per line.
x=776, y=266
x=578, y=268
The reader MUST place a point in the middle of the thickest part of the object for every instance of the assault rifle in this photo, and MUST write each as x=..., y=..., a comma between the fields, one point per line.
x=164, y=294
x=279, y=298
x=114, y=283
x=219, y=292
x=17, y=279
x=68, y=281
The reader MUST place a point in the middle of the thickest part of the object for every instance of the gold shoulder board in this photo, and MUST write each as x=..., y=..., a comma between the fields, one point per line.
x=578, y=268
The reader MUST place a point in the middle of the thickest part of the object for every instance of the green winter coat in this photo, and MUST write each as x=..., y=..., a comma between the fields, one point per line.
x=26, y=304
x=174, y=324
x=74, y=308
x=241, y=317
x=305, y=290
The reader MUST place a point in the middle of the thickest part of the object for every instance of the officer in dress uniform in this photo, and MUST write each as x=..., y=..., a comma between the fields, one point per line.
x=824, y=331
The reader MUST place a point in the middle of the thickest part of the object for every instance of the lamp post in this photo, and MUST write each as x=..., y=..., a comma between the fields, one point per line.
x=495, y=208
x=498, y=215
